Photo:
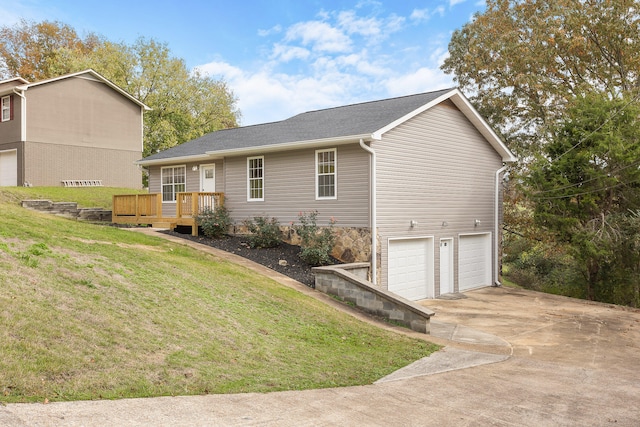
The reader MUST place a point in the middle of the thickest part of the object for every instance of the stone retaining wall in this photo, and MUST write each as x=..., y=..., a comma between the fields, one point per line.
x=68, y=209
x=353, y=244
x=349, y=282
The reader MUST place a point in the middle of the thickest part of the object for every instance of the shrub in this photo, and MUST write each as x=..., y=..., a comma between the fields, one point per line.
x=214, y=223
x=265, y=232
x=316, y=244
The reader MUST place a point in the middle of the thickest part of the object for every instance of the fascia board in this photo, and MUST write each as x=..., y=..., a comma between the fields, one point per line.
x=172, y=160
x=483, y=127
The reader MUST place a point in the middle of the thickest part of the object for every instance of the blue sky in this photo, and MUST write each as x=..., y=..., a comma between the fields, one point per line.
x=285, y=57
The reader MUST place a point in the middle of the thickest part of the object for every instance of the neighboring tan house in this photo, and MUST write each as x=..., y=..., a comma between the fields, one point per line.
x=76, y=130
x=423, y=170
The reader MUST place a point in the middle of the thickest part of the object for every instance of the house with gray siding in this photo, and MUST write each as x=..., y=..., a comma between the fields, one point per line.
x=423, y=172
x=76, y=130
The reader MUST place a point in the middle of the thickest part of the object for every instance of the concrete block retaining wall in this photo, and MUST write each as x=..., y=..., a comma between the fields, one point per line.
x=68, y=209
x=349, y=282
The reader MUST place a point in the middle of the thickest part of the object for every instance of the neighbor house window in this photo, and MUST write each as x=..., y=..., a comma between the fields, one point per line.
x=326, y=180
x=6, y=108
x=174, y=180
x=255, y=178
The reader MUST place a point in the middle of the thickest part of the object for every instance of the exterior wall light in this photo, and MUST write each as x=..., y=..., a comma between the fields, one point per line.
x=476, y=222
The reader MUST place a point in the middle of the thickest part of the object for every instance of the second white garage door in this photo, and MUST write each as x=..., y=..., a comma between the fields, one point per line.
x=410, y=272
x=474, y=261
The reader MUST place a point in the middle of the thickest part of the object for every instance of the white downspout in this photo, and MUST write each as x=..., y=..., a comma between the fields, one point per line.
x=496, y=230
x=23, y=115
x=373, y=209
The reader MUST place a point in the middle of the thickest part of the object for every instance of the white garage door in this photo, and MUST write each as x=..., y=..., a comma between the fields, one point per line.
x=8, y=168
x=410, y=271
x=474, y=261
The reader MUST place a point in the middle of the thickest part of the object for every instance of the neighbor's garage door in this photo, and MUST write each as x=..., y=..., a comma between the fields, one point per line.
x=474, y=261
x=410, y=272
x=8, y=168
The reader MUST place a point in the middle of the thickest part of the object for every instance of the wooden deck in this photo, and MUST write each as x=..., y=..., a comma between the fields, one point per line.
x=147, y=209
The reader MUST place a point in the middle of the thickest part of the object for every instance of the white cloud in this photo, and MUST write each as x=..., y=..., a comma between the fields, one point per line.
x=420, y=15
x=423, y=15
x=423, y=79
x=352, y=24
x=273, y=30
x=286, y=53
x=337, y=59
x=320, y=36
x=455, y=2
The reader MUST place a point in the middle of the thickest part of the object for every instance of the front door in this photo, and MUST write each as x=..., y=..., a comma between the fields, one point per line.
x=208, y=178
x=446, y=266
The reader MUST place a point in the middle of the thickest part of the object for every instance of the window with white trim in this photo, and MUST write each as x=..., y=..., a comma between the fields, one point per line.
x=174, y=180
x=255, y=178
x=5, y=104
x=326, y=178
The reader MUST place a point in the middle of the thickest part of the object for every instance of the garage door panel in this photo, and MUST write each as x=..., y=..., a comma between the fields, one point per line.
x=410, y=268
x=474, y=261
x=8, y=168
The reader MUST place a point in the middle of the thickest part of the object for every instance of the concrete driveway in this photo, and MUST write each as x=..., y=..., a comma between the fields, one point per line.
x=512, y=358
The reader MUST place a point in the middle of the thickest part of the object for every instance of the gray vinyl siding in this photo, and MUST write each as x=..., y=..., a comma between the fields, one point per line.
x=289, y=187
x=434, y=168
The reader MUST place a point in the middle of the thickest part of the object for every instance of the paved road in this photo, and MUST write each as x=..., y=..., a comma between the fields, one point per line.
x=513, y=358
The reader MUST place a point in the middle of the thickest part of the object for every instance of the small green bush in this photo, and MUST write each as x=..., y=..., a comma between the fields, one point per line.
x=265, y=232
x=214, y=223
x=316, y=243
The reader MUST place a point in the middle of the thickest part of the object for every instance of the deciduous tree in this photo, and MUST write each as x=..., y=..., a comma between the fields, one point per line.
x=524, y=60
x=30, y=49
x=587, y=181
x=185, y=104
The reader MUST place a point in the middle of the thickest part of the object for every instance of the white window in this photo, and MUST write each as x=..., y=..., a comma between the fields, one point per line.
x=6, y=108
x=326, y=179
x=255, y=178
x=174, y=180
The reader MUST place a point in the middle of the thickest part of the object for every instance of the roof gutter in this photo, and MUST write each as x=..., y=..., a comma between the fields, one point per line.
x=373, y=209
x=496, y=224
x=172, y=160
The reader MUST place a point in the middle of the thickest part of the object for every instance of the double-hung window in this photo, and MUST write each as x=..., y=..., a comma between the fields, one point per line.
x=5, y=107
x=174, y=180
x=326, y=179
x=255, y=178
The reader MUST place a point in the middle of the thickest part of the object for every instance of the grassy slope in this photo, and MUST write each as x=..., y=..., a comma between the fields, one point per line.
x=91, y=312
x=88, y=197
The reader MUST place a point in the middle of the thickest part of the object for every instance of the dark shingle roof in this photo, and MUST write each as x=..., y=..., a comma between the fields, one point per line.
x=349, y=120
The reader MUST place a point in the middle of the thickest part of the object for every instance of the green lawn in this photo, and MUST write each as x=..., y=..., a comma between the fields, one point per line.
x=97, y=312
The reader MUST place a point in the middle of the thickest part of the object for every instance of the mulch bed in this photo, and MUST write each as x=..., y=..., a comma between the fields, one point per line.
x=284, y=258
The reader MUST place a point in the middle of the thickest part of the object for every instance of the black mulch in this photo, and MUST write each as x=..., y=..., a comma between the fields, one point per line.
x=283, y=259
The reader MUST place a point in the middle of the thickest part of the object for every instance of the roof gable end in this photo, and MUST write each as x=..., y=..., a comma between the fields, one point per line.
x=89, y=74
x=470, y=113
